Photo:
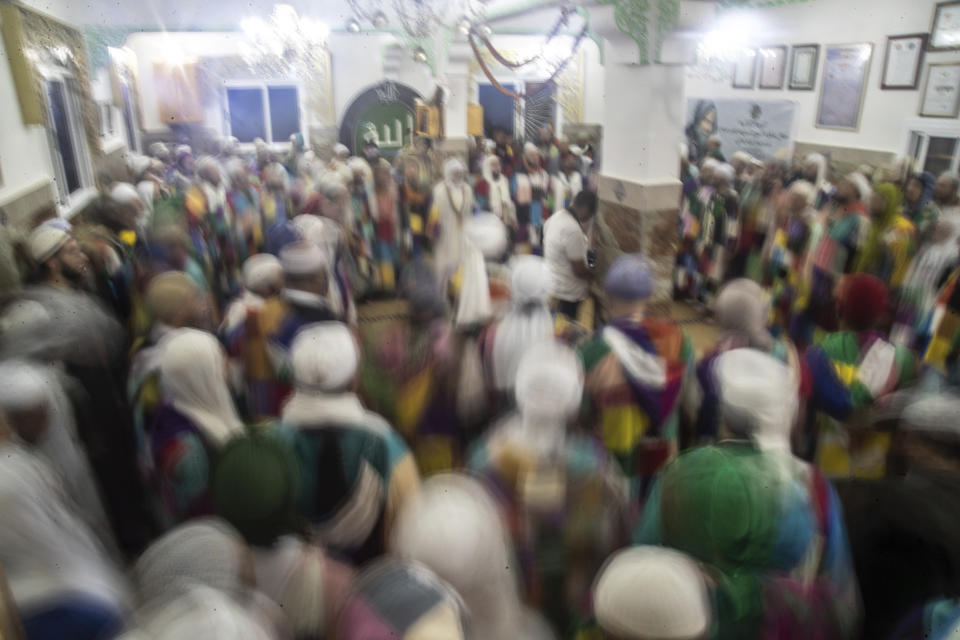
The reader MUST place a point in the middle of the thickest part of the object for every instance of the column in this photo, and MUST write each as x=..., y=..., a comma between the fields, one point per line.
x=455, y=70
x=639, y=186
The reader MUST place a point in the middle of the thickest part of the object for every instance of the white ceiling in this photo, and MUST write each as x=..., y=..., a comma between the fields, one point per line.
x=177, y=15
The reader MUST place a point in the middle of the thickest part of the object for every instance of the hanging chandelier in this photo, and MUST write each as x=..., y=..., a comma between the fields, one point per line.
x=419, y=19
x=284, y=38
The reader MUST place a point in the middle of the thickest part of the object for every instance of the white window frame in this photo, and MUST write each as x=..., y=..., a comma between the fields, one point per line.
x=263, y=85
x=113, y=140
x=78, y=136
x=926, y=129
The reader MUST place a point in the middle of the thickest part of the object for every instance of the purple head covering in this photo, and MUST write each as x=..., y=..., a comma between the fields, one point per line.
x=629, y=278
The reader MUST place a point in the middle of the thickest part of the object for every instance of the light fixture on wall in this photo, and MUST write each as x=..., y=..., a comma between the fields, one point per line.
x=353, y=26
x=284, y=37
x=729, y=39
x=420, y=55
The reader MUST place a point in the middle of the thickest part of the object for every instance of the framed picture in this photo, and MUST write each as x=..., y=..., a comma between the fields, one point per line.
x=773, y=67
x=941, y=95
x=945, y=32
x=901, y=64
x=845, y=70
x=745, y=69
x=803, y=66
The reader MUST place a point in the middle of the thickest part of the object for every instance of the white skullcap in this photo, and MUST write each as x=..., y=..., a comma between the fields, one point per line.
x=158, y=149
x=341, y=149
x=714, y=138
x=529, y=147
x=124, y=193
x=303, y=258
x=260, y=270
x=356, y=164
x=530, y=279
x=23, y=385
x=489, y=145
x=742, y=156
x=549, y=381
x=758, y=393
x=183, y=150
x=324, y=357
x=200, y=612
x=208, y=163
x=862, y=184
x=487, y=233
x=652, y=592
x=710, y=162
x=725, y=171
x=45, y=241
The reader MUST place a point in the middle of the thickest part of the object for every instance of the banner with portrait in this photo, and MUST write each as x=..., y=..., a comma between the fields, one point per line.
x=763, y=128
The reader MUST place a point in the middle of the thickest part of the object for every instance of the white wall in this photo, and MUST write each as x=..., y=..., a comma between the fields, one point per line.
x=24, y=155
x=840, y=22
x=594, y=89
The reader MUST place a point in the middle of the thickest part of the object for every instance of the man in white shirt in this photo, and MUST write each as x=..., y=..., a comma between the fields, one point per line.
x=565, y=248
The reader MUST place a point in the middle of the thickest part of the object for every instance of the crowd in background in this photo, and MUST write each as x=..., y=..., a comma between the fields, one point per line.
x=203, y=438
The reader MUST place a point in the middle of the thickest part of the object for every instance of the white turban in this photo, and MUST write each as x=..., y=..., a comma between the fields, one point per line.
x=652, y=592
x=193, y=371
x=726, y=172
x=452, y=526
x=138, y=164
x=303, y=259
x=23, y=385
x=530, y=279
x=200, y=612
x=206, y=551
x=324, y=357
x=549, y=381
x=451, y=166
x=261, y=270
x=341, y=150
x=863, y=186
x=487, y=233
x=45, y=241
x=124, y=193
x=529, y=149
x=758, y=394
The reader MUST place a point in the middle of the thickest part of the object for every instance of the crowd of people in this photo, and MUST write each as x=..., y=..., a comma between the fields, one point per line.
x=202, y=438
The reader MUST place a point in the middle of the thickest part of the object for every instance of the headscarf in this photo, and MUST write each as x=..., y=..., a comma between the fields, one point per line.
x=45, y=549
x=499, y=198
x=527, y=322
x=451, y=166
x=758, y=396
x=395, y=600
x=892, y=198
x=741, y=309
x=452, y=526
x=549, y=382
x=28, y=385
x=652, y=592
x=205, y=551
x=699, y=141
x=821, y=162
x=199, y=612
x=861, y=300
x=629, y=278
x=193, y=372
x=484, y=238
x=929, y=182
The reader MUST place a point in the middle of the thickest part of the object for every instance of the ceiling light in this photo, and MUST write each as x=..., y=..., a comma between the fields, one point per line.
x=380, y=20
x=353, y=26
x=419, y=55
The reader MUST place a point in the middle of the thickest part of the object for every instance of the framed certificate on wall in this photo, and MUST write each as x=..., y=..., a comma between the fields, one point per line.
x=902, y=62
x=845, y=71
x=745, y=69
x=773, y=67
x=941, y=95
x=803, y=66
x=945, y=32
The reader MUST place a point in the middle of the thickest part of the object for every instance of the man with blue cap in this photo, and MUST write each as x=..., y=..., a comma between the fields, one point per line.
x=635, y=368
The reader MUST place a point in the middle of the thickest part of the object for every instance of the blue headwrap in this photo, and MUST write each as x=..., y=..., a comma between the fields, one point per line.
x=629, y=278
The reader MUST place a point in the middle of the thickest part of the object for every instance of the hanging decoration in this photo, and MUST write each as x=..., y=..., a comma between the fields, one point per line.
x=285, y=38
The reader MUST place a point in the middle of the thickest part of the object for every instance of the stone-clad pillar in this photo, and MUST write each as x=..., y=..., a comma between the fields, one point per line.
x=639, y=186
